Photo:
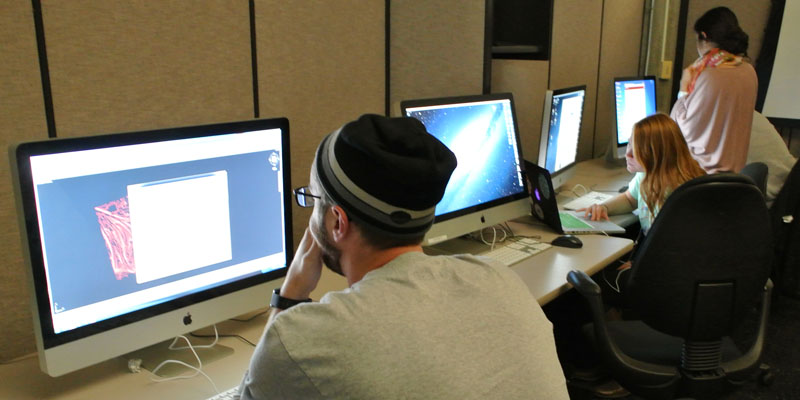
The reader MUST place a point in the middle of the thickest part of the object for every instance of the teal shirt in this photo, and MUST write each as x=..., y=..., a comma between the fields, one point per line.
x=645, y=219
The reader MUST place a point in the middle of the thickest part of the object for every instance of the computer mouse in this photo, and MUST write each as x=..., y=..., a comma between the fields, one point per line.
x=570, y=241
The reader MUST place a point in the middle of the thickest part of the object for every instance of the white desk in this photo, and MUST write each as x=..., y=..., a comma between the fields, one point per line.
x=544, y=274
x=599, y=176
x=112, y=380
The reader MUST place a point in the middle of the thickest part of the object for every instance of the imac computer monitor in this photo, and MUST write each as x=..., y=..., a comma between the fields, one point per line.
x=488, y=186
x=134, y=238
x=561, y=129
x=634, y=99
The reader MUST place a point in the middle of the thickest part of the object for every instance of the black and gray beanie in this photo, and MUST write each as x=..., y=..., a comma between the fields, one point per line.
x=388, y=173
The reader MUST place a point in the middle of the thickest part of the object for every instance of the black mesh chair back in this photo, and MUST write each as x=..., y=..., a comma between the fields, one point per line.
x=705, y=259
x=758, y=172
x=695, y=277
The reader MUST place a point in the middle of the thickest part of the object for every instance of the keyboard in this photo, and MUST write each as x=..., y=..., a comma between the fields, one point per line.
x=230, y=394
x=515, y=250
x=587, y=200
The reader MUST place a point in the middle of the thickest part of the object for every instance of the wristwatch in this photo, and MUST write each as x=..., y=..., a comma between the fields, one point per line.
x=283, y=303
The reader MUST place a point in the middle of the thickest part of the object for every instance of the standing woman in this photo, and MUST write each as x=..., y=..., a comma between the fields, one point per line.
x=718, y=94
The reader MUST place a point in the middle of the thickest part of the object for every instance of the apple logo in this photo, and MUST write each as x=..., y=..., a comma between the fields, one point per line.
x=187, y=320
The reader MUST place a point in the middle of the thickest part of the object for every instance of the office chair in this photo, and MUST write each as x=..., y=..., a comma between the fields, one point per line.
x=758, y=172
x=696, y=275
x=785, y=218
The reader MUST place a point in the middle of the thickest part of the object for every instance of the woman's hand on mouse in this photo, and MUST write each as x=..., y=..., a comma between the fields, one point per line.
x=595, y=212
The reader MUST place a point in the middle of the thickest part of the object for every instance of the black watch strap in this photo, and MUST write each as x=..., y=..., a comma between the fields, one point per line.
x=283, y=303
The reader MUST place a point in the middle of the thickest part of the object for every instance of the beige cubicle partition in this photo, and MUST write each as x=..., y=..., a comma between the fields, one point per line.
x=121, y=65
x=575, y=51
x=436, y=49
x=619, y=57
x=22, y=118
x=527, y=81
x=320, y=64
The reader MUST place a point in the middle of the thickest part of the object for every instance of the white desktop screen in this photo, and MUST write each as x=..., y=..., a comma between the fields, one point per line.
x=634, y=99
x=122, y=228
x=561, y=129
x=488, y=182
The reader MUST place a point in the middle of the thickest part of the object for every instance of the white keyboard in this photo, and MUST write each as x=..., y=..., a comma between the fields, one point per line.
x=230, y=394
x=587, y=200
x=515, y=250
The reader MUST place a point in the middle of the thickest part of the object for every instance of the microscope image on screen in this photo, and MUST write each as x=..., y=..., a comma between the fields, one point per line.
x=167, y=227
x=115, y=226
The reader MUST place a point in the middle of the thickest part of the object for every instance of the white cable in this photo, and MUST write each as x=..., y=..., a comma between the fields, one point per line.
x=614, y=287
x=495, y=240
x=585, y=190
x=204, y=346
x=198, y=369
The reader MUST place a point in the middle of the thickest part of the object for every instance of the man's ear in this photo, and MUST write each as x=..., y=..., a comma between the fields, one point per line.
x=341, y=223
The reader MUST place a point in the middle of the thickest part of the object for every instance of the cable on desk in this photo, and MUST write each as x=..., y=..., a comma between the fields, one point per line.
x=508, y=229
x=494, y=240
x=242, y=338
x=198, y=369
x=251, y=318
x=585, y=190
x=18, y=359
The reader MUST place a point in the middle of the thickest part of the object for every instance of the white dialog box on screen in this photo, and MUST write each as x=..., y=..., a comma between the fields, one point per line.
x=179, y=224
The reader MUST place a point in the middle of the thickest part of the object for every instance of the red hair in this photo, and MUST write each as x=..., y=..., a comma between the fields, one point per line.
x=659, y=146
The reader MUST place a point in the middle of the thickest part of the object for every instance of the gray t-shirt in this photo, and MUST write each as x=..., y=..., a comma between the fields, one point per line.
x=420, y=327
x=767, y=146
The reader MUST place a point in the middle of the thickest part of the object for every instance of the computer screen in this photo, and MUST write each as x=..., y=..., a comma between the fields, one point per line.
x=634, y=99
x=561, y=128
x=126, y=235
x=487, y=187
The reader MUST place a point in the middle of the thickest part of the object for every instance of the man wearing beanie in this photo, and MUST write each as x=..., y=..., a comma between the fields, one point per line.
x=410, y=326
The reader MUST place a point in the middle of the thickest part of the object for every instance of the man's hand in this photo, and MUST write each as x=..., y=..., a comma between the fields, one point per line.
x=305, y=270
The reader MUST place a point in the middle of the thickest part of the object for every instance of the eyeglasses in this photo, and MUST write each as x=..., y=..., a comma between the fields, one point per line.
x=304, y=198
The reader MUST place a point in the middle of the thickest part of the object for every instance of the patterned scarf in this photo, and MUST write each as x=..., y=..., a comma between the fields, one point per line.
x=714, y=58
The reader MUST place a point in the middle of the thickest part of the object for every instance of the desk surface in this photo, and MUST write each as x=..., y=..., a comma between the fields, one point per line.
x=111, y=379
x=544, y=274
x=599, y=176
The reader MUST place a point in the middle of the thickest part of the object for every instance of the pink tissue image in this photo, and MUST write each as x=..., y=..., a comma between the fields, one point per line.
x=115, y=226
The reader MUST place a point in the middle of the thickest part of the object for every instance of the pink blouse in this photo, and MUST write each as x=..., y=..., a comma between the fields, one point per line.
x=717, y=116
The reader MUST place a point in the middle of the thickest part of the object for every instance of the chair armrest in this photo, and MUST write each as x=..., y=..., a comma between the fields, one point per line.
x=742, y=367
x=583, y=283
x=620, y=364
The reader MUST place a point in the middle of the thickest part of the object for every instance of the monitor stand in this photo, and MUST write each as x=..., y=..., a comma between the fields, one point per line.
x=150, y=357
x=615, y=156
x=459, y=245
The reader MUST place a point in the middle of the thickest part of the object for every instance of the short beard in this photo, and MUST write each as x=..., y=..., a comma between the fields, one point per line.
x=331, y=256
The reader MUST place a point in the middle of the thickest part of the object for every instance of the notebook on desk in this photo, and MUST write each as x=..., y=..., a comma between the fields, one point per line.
x=545, y=208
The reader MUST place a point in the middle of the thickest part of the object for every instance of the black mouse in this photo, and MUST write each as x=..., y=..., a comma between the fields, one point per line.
x=570, y=241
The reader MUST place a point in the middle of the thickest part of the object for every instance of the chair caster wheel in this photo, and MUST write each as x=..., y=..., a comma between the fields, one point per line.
x=765, y=376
